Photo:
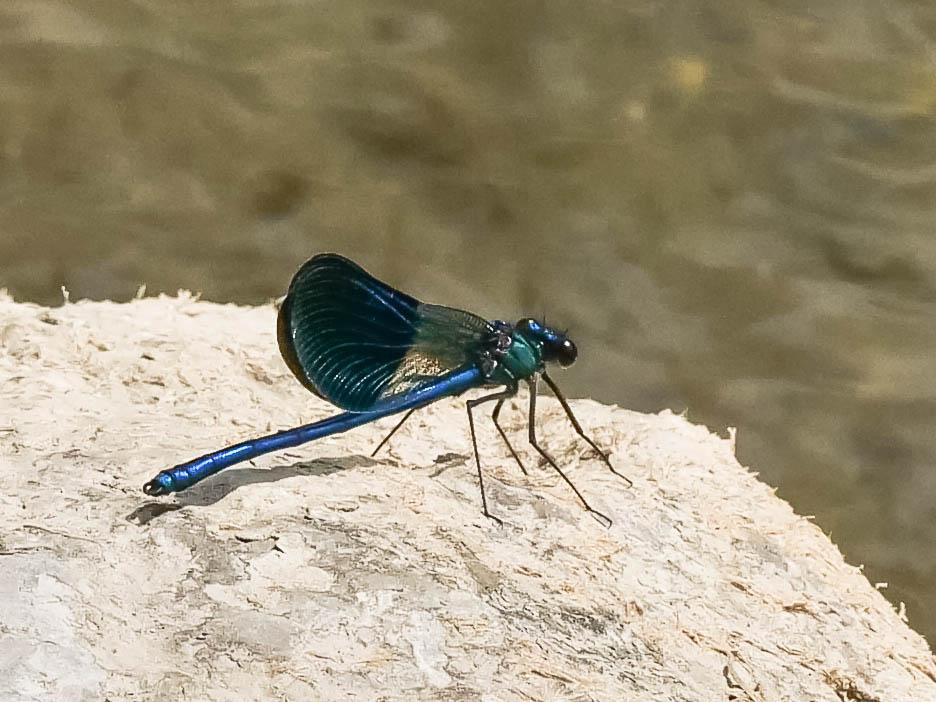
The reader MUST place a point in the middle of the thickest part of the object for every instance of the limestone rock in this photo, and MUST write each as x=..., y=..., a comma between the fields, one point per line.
x=321, y=573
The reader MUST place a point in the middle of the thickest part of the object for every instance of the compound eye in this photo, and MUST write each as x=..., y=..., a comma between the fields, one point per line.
x=567, y=353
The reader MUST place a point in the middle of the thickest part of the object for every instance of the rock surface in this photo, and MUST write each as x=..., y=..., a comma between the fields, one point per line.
x=322, y=573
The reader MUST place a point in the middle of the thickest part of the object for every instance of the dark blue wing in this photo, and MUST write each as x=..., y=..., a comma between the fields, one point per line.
x=354, y=340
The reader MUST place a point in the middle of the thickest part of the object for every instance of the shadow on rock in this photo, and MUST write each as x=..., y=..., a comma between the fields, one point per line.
x=216, y=489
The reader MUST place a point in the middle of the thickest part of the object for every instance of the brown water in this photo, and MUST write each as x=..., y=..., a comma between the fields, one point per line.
x=732, y=205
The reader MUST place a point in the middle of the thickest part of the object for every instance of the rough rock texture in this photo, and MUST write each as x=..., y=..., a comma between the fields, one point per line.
x=324, y=574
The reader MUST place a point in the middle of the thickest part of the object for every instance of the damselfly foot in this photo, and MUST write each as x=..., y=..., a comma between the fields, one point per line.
x=607, y=462
x=602, y=519
x=499, y=522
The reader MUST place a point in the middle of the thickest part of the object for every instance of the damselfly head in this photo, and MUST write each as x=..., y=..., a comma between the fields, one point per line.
x=555, y=345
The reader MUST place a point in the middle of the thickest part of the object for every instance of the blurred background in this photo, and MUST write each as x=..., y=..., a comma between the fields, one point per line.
x=730, y=204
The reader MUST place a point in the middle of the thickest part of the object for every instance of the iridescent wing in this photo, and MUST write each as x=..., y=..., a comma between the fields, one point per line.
x=353, y=340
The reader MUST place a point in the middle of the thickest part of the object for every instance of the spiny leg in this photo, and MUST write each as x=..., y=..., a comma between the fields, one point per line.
x=510, y=391
x=494, y=415
x=578, y=427
x=393, y=431
x=601, y=518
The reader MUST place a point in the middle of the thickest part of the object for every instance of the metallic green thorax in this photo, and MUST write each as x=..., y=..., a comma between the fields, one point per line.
x=520, y=361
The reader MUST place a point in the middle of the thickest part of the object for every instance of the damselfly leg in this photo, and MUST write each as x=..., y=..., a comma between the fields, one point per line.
x=601, y=518
x=392, y=432
x=494, y=416
x=510, y=391
x=578, y=427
